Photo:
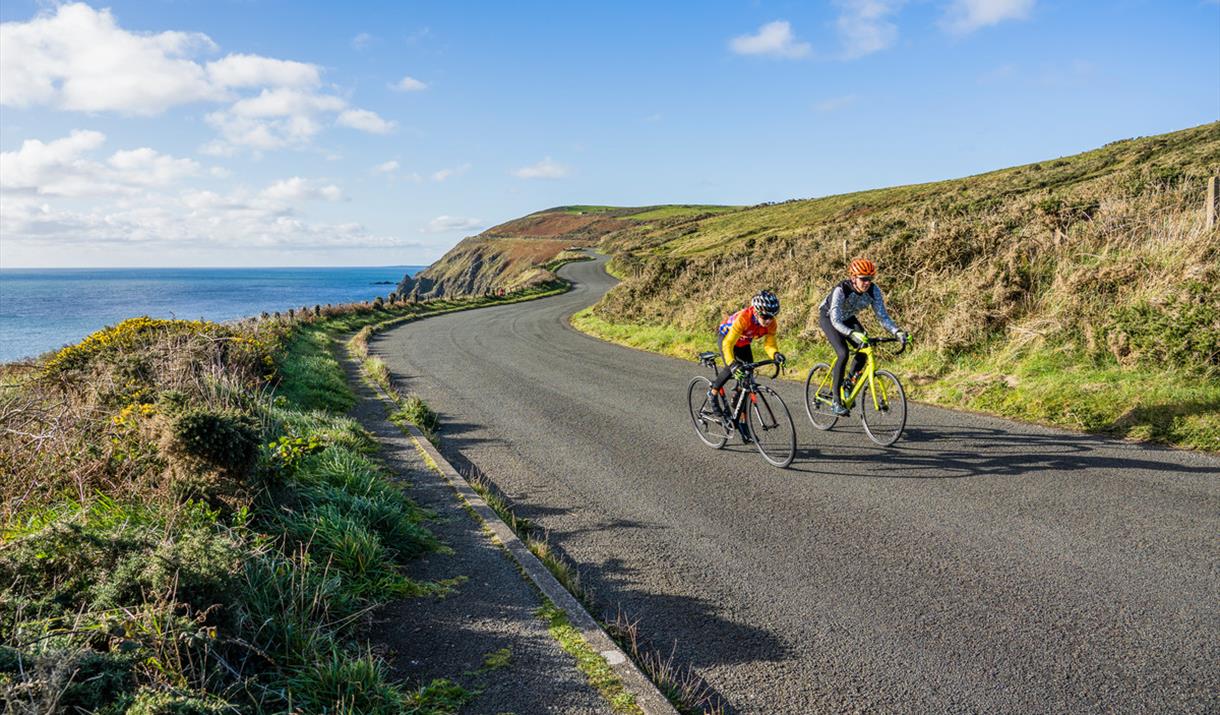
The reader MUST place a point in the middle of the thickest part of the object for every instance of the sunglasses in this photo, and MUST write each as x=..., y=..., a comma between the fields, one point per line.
x=866, y=279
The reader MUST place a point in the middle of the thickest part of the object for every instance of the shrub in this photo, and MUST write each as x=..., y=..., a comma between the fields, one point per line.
x=112, y=555
x=225, y=440
x=1182, y=332
x=153, y=702
x=289, y=451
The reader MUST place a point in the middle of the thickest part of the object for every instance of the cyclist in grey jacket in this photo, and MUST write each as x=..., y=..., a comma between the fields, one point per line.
x=838, y=319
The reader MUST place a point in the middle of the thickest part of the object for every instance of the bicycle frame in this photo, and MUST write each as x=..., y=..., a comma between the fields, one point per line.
x=741, y=389
x=866, y=376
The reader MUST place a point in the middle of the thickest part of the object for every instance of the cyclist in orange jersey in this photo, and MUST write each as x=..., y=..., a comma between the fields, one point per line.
x=757, y=320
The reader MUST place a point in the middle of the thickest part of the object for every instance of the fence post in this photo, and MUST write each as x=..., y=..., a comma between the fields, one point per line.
x=845, y=251
x=1211, y=201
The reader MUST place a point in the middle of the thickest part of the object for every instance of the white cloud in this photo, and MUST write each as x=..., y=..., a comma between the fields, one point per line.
x=285, y=102
x=965, y=16
x=444, y=224
x=254, y=71
x=362, y=40
x=258, y=134
x=863, y=27
x=833, y=104
x=62, y=167
x=297, y=189
x=365, y=121
x=545, y=169
x=79, y=59
x=774, y=39
x=409, y=84
x=146, y=166
x=443, y=174
x=388, y=167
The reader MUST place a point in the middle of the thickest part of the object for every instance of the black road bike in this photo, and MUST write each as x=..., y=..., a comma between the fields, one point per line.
x=754, y=412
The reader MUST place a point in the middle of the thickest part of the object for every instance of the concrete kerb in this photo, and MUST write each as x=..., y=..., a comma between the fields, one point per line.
x=650, y=700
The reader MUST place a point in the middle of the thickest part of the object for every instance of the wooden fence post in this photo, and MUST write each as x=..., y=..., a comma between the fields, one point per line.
x=1211, y=201
x=845, y=251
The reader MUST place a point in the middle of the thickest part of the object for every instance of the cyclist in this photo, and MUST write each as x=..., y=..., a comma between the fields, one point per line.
x=757, y=320
x=838, y=319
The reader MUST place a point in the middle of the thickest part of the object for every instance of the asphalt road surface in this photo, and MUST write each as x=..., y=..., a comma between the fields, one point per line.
x=979, y=566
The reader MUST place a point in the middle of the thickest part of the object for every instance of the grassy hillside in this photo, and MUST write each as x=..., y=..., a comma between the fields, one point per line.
x=1080, y=291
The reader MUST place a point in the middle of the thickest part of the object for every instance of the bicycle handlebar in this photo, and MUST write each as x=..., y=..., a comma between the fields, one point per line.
x=901, y=350
x=752, y=366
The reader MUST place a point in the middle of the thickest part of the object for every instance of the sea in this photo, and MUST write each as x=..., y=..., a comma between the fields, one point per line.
x=43, y=309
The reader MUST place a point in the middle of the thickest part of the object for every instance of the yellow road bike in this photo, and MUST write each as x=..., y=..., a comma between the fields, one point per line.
x=878, y=394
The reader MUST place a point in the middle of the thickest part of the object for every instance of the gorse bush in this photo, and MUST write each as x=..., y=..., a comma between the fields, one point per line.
x=226, y=440
x=1180, y=329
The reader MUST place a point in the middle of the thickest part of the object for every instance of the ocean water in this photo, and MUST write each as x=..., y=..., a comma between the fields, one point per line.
x=45, y=309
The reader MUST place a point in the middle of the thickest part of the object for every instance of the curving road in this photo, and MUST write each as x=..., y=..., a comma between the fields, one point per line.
x=980, y=566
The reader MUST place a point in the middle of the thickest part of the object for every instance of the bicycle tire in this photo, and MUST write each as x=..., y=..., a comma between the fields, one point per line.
x=818, y=395
x=707, y=426
x=884, y=421
x=771, y=427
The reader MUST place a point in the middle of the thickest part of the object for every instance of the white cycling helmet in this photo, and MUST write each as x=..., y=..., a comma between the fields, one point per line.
x=766, y=304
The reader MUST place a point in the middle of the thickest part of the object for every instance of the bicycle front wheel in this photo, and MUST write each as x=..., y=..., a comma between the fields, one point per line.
x=770, y=426
x=708, y=427
x=819, y=395
x=883, y=408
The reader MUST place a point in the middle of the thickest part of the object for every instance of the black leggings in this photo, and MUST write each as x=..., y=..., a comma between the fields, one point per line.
x=838, y=341
x=742, y=353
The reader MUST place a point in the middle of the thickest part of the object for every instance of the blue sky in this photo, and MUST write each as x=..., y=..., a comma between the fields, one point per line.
x=245, y=133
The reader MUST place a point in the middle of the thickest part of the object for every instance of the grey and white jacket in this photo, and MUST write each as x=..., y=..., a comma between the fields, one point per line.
x=844, y=303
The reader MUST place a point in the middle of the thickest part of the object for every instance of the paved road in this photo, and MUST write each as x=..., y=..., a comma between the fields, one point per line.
x=980, y=566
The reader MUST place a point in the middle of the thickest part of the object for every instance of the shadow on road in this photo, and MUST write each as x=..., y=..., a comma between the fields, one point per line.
x=720, y=641
x=956, y=452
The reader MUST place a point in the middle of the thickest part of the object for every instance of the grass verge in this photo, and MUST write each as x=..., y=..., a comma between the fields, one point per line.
x=590, y=662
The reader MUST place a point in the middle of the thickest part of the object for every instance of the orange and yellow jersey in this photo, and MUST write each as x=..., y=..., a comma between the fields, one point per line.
x=741, y=328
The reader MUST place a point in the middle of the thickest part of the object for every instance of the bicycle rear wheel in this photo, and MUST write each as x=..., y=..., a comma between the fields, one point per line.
x=771, y=427
x=708, y=427
x=819, y=395
x=883, y=408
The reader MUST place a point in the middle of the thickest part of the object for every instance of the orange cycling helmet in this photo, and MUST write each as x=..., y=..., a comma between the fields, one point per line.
x=862, y=267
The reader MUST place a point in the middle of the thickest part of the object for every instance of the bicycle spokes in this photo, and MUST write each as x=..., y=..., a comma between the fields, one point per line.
x=883, y=410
